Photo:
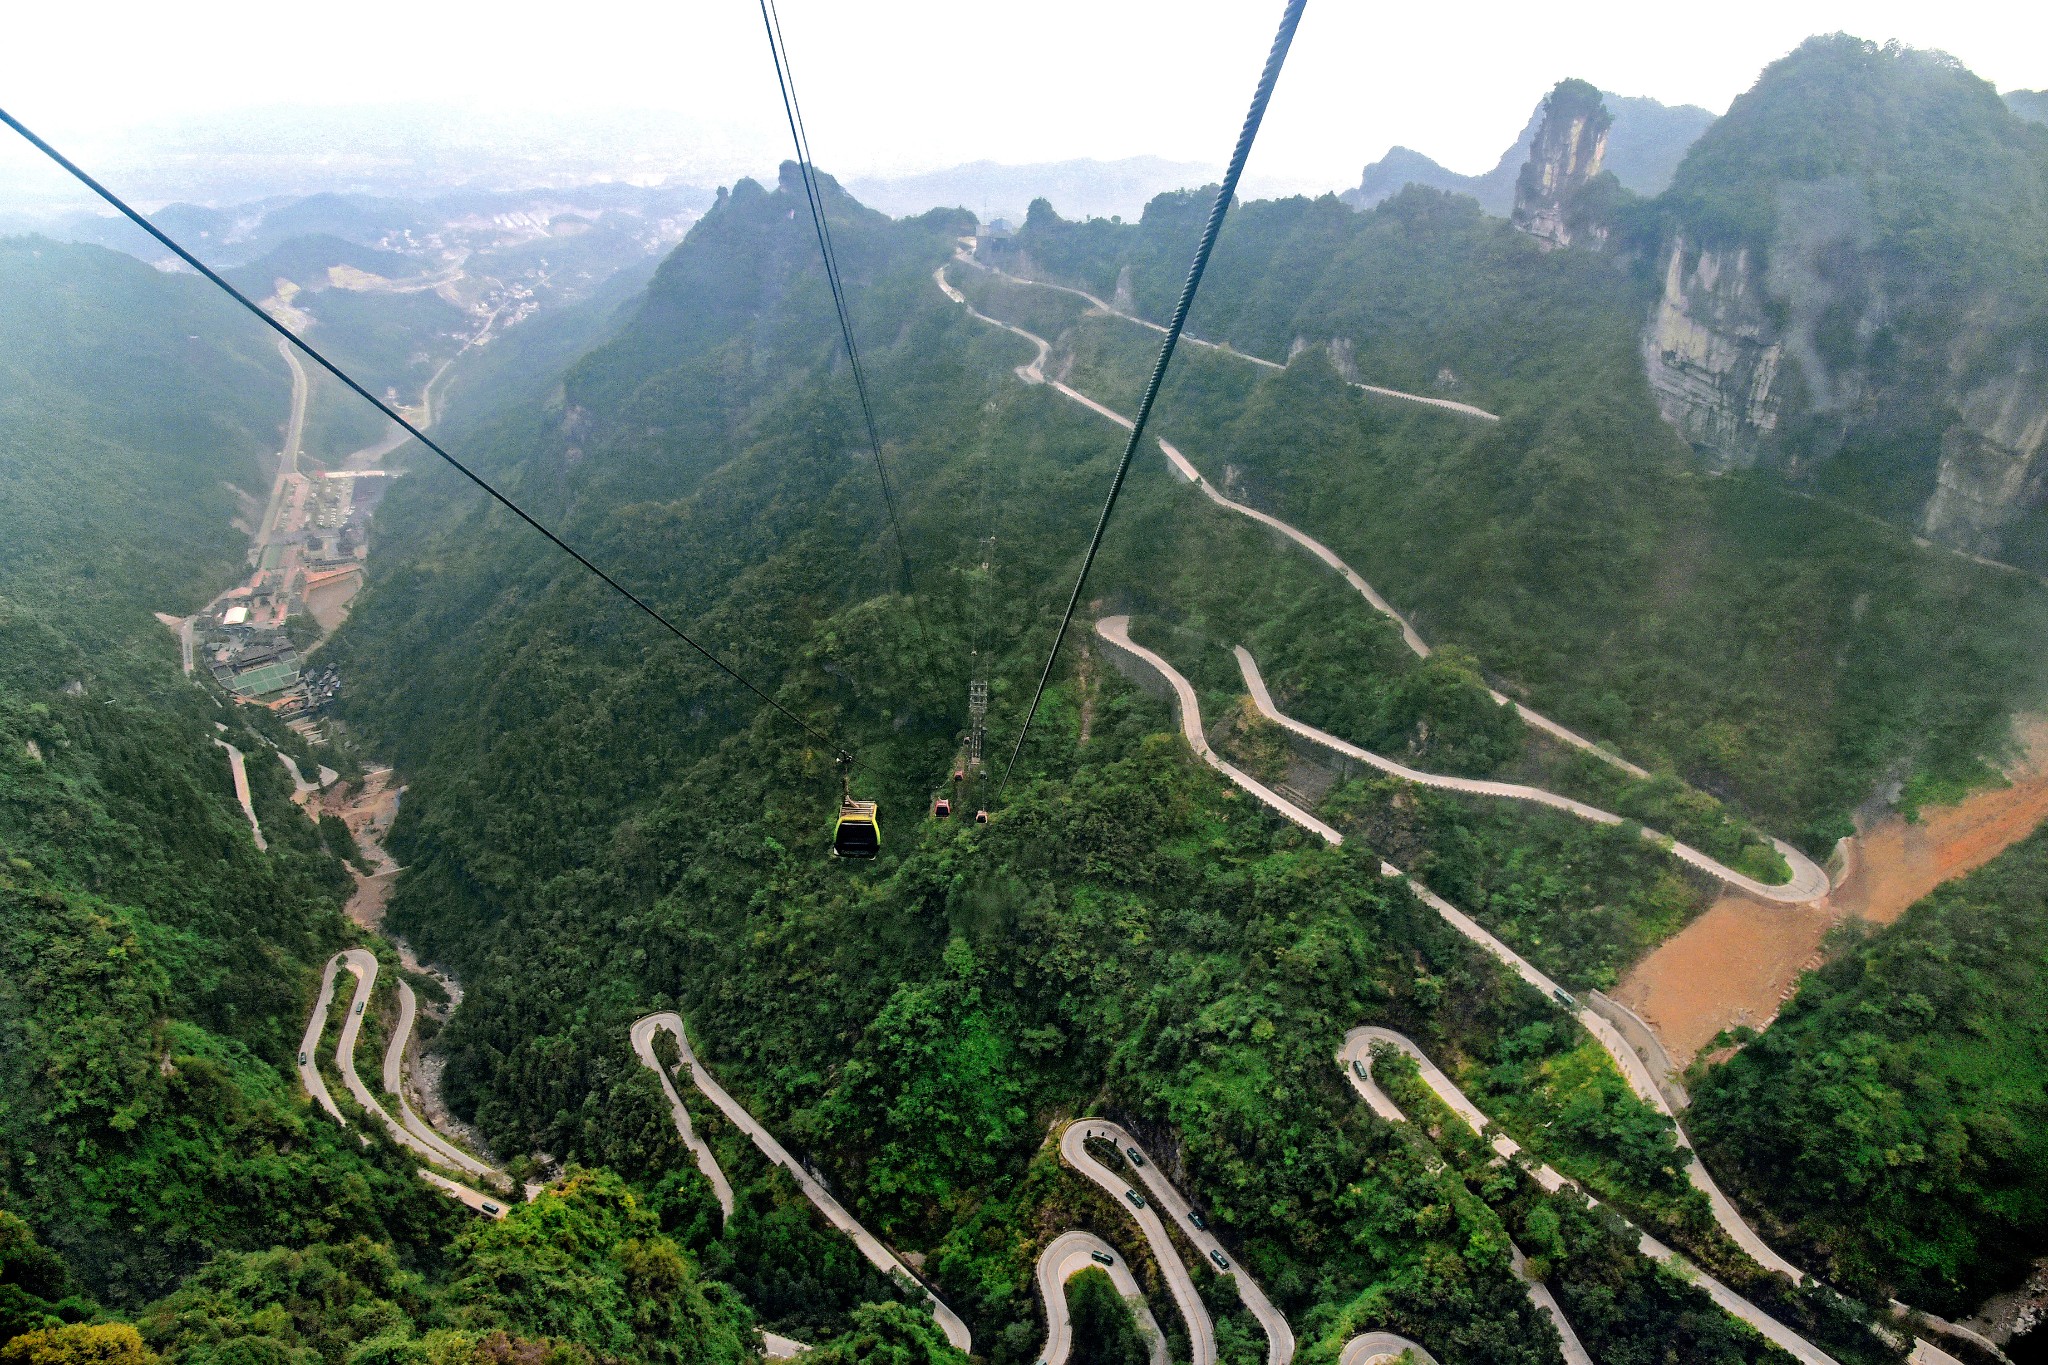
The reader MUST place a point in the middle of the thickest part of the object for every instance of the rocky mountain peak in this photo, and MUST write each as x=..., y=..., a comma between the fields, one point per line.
x=1563, y=159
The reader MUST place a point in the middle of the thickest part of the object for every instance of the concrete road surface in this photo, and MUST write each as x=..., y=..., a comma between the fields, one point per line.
x=1066, y=1256
x=1809, y=882
x=1358, y=1048
x=869, y=1245
x=643, y=1047
x=1169, y=1201
x=364, y=965
x=239, y=767
x=394, y=1085
x=1370, y=1348
x=316, y=1024
x=1074, y=1151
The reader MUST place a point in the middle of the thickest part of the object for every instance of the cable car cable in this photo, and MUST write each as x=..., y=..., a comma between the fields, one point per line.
x=79, y=174
x=1275, y=59
x=785, y=80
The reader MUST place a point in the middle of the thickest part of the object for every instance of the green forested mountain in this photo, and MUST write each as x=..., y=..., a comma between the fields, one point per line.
x=1854, y=268
x=598, y=825
x=156, y=968
x=138, y=418
x=1894, y=1118
x=1718, y=625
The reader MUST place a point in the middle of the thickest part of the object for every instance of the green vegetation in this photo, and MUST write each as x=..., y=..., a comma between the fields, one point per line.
x=1892, y=1120
x=1770, y=650
x=135, y=404
x=1105, y=1330
x=598, y=825
x=592, y=833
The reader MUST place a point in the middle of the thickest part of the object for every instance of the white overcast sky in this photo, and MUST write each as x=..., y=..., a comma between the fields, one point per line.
x=894, y=86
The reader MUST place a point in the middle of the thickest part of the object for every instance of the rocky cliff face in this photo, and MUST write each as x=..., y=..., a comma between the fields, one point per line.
x=1738, y=353
x=1712, y=354
x=1880, y=332
x=1994, y=460
x=1563, y=160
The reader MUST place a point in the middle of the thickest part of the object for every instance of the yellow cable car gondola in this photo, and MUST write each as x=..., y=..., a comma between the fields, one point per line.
x=858, y=834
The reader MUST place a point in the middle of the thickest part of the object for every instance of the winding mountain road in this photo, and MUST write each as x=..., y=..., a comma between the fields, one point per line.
x=1116, y=630
x=1164, y=1198
x=1358, y=1050
x=1101, y=306
x=1066, y=1256
x=870, y=1246
x=1376, y=1348
x=428, y=1145
x=1808, y=883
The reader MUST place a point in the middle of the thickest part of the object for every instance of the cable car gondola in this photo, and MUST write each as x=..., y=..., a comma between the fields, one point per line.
x=942, y=809
x=858, y=833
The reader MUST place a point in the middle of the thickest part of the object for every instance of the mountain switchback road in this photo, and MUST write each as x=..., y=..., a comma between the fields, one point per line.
x=1808, y=881
x=1066, y=1256
x=870, y=1246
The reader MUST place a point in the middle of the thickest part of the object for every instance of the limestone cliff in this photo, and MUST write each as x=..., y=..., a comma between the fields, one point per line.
x=1994, y=461
x=1853, y=272
x=1712, y=353
x=1563, y=160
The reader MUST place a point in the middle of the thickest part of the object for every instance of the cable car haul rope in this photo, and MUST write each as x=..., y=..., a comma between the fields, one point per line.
x=857, y=832
x=1275, y=59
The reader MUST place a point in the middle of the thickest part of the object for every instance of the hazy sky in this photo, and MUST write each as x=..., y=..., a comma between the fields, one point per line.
x=902, y=85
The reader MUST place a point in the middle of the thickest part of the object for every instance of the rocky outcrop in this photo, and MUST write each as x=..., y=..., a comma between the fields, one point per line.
x=1712, y=353
x=1563, y=160
x=1994, y=460
x=1734, y=352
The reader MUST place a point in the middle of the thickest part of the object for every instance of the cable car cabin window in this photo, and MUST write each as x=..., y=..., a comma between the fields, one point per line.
x=858, y=834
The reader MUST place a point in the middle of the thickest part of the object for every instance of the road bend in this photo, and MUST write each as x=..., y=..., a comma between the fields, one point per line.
x=1066, y=1256
x=700, y=1151
x=1116, y=630
x=1380, y=1348
x=870, y=1246
x=1224, y=348
x=364, y=965
x=1808, y=883
x=1357, y=1057
x=1169, y=1201
x=1074, y=1151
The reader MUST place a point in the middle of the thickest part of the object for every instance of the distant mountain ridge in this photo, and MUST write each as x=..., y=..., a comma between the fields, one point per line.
x=1647, y=141
x=1081, y=188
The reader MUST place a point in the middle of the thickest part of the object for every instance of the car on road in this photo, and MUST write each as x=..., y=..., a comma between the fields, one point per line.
x=1196, y=1219
x=1137, y=1200
x=1358, y=1066
x=1218, y=1258
x=1563, y=997
x=1101, y=1258
x=488, y=1207
x=359, y=1007
x=1133, y=1154
x=302, y=1059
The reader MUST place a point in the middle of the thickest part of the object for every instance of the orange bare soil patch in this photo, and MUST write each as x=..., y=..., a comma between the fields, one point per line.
x=1740, y=961
x=1733, y=965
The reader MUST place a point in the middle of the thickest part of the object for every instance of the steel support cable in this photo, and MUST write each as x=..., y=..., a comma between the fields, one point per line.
x=785, y=80
x=122, y=206
x=1275, y=59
